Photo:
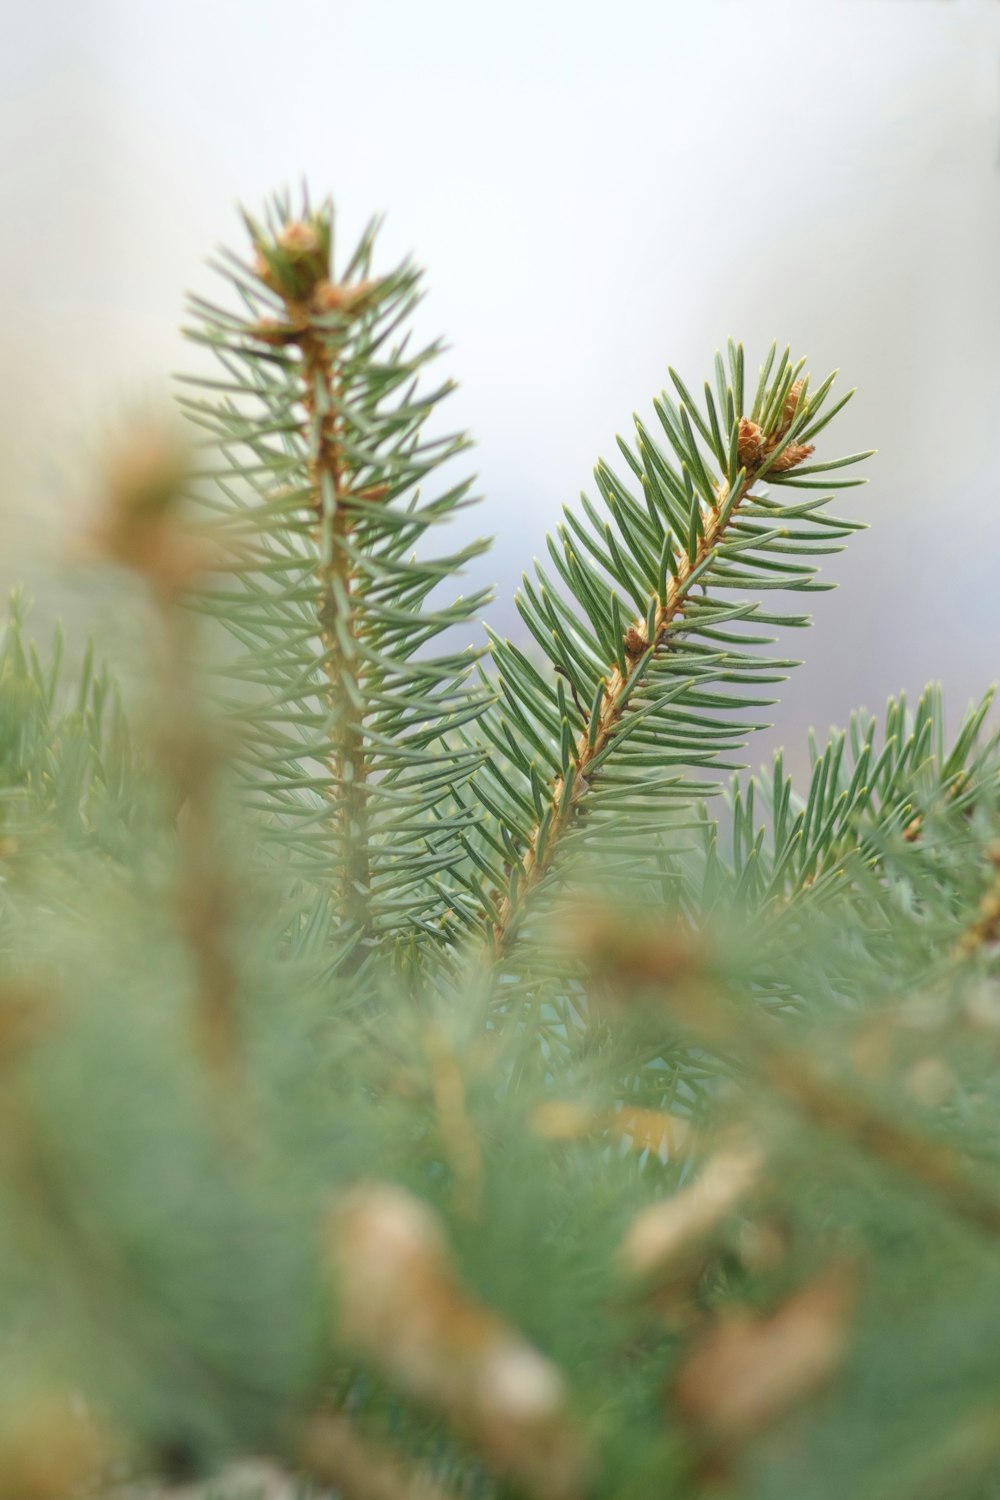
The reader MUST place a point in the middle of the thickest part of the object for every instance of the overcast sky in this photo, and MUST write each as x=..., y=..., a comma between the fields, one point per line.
x=596, y=190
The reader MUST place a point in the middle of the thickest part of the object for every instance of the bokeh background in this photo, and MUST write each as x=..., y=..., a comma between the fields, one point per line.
x=597, y=190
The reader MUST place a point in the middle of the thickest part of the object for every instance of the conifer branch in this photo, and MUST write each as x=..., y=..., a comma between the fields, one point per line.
x=299, y=274
x=347, y=724
x=677, y=979
x=758, y=451
x=874, y=795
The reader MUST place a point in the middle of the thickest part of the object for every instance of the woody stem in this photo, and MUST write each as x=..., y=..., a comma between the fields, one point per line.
x=348, y=759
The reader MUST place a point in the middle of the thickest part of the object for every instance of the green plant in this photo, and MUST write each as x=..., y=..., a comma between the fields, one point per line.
x=416, y=1066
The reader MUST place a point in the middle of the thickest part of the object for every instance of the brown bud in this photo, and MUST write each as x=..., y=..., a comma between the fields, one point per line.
x=749, y=443
x=349, y=299
x=296, y=261
x=635, y=643
x=791, y=456
x=300, y=241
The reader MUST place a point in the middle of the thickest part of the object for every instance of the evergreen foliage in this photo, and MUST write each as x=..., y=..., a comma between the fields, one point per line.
x=437, y=1073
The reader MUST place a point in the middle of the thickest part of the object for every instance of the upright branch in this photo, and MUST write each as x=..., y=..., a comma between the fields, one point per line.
x=319, y=312
x=756, y=450
x=345, y=721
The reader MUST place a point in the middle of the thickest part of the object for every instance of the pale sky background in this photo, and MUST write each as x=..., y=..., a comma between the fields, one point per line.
x=596, y=190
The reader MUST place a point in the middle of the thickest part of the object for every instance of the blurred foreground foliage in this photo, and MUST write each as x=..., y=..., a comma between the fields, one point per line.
x=426, y=1071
